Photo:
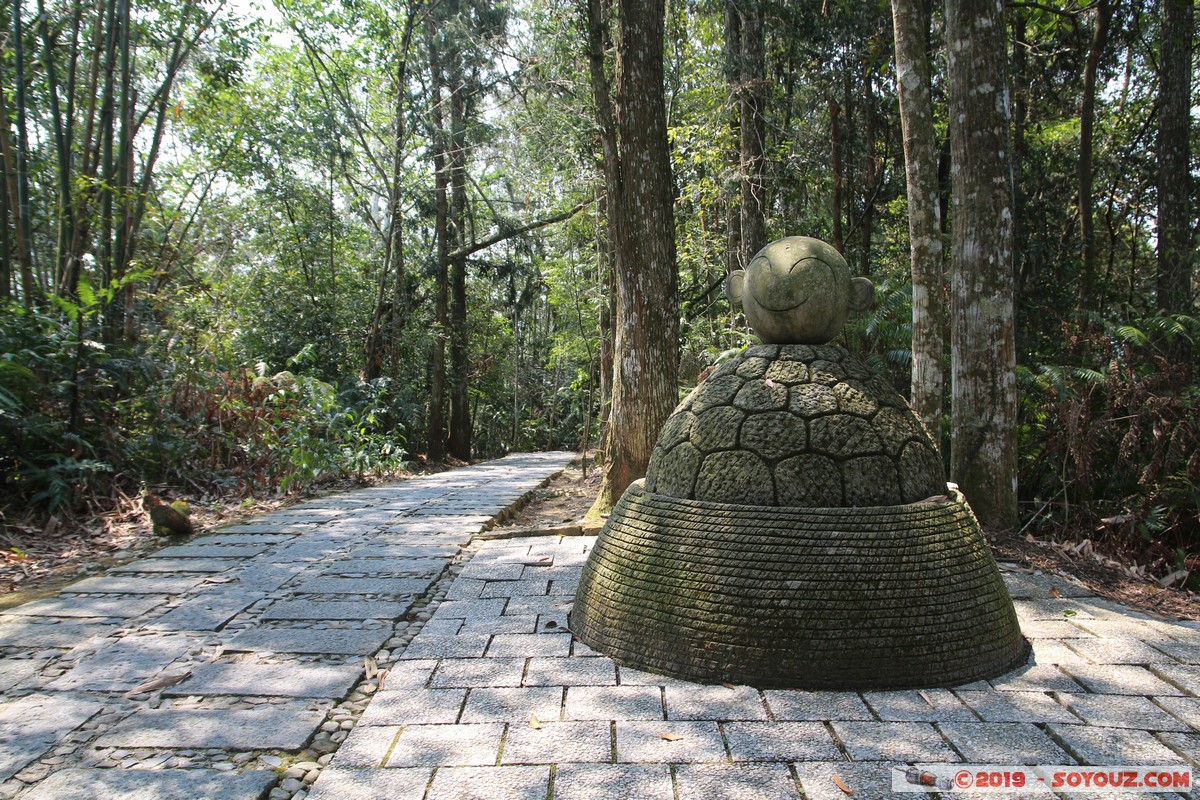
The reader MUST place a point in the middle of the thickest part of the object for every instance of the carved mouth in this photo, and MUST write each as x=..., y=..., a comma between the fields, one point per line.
x=780, y=290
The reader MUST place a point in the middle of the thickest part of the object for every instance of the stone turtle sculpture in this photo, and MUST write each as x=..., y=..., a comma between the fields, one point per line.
x=795, y=528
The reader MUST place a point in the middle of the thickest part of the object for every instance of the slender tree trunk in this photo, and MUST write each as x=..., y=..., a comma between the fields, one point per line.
x=835, y=145
x=1175, y=235
x=460, y=410
x=731, y=188
x=1087, y=117
x=1020, y=96
x=436, y=431
x=983, y=457
x=641, y=201
x=21, y=162
x=13, y=204
x=924, y=214
x=753, y=126
x=62, y=150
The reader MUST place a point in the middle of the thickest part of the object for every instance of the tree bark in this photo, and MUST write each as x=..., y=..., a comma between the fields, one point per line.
x=983, y=458
x=1087, y=119
x=731, y=187
x=910, y=27
x=835, y=147
x=646, y=353
x=1175, y=237
x=436, y=428
x=460, y=410
x=753, y=127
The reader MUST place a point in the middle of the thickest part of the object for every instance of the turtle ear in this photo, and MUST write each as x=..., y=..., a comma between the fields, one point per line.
x=862, y=294
x=733, y=287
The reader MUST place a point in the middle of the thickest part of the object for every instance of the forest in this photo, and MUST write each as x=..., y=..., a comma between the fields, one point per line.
x=246, y=250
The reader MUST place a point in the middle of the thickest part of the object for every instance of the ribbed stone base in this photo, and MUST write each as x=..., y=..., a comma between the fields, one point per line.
x=809, y=598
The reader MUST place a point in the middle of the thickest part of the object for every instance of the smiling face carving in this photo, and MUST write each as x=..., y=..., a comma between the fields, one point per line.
x=798, y=291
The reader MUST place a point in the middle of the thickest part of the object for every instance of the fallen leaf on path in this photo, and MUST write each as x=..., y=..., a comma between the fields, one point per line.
x=219, y=579
x=382, y=675
x=534, y=722
x=670, y=737
x=370, y=668
x=1055, y=593
x=161, y=682
x=842, y=785
x=925, y=697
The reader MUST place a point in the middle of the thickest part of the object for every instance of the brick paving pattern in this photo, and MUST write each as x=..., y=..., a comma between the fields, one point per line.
x=485, y=693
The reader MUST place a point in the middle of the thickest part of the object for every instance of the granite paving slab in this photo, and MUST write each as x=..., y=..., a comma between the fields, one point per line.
x=510, y=783
x=553, y=742
x=513, y=704
x=208, y=612
x=479, y=672
x=286, y=726
x=143, y=784
x=606, y=781
x=385, y=566
x=119, y=607
x=670, y=742
x=339, y=783
x=30, y=725
x=308, y=640
x=735, y=782
x=15, y=672
x=114, y=584
x=335, y=609
x=447, y=745
x=1106, y=746
x=1003, y=743
x=893, y=741
x=121, y=664
x=24, y=633
x=210, y=550
x=714, y=702
x=405, y=586
x=273, y=680
x=174, y=565
x=780, y=741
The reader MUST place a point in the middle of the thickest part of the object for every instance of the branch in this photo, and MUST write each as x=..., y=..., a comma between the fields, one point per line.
x=504, y=235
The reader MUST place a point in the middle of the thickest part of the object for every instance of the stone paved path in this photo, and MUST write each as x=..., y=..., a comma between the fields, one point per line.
x=494, y=699
x=282, y=626
x=201, y=671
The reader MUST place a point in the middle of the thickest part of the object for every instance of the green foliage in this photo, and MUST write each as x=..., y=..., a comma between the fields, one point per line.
x=1111, y=444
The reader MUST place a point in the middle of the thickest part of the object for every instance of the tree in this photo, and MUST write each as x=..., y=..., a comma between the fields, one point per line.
x=983, y=451
x=637, y=169
x=1175, y=236
x=1087, y=123
x=750, y=91
x=910, y=29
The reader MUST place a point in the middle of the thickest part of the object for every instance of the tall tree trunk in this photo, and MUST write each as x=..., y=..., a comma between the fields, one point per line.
x=1087, y=118
x=21, y=162
x=1020, y=103
x=731, y=189
x=436, y=429
x=753, y=126
x=983, y=452
x=460, y=410
x=911, y=28
x=835, y=146
x=641, y=199
x=1175, y=236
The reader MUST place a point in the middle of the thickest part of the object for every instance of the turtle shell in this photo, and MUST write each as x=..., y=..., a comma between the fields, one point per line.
x=795, y=530
x=796, y=426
